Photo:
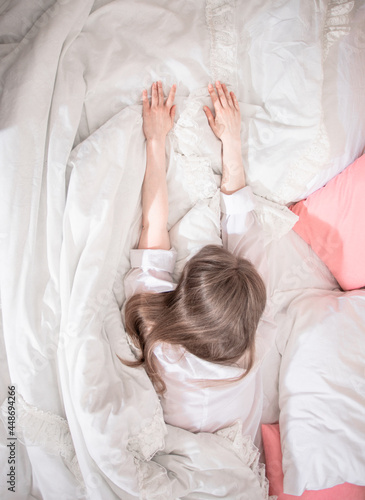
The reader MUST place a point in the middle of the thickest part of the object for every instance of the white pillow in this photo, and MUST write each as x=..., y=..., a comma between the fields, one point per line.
x=199, y=227
x=322, y=391
x=305, y=75
x=280, y=67
x=343, y=101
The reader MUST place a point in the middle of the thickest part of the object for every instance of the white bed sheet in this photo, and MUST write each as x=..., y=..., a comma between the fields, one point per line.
x=72, y=159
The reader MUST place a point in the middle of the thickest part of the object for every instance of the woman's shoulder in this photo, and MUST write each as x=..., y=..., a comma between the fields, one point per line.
x=175, y=360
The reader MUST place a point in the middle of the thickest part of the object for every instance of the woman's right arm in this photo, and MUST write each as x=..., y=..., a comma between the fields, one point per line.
x=153, y=261
x=158, y=119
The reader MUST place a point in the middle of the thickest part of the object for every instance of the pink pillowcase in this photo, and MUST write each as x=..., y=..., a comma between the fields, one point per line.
x=274, y=473
x=332, y=222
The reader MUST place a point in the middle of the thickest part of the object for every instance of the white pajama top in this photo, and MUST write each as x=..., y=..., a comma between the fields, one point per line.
x=187, y=403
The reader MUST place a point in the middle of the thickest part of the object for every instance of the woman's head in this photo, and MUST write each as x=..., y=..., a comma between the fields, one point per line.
x=213, y=312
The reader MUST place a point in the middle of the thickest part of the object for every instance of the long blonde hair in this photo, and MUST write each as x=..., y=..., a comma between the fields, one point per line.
x=213, y=313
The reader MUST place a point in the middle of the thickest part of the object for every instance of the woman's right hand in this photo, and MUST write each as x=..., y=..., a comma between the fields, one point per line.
x=226, y=124
x=158, y=117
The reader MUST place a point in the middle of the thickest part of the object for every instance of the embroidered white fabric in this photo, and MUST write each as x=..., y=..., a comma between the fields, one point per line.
x=186, y=132
x=220, y=17
x=148, y=437
x=302, y=171
x=154, y=475
x=305, y=168
x=187, y=140
x=337, y=23
x=277, y=220
x=153, y=481
x=199, y=178
x=248, y=452
x=35, y=427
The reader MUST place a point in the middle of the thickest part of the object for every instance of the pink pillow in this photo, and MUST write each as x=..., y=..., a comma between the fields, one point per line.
x=332, y=222
x=274, y=473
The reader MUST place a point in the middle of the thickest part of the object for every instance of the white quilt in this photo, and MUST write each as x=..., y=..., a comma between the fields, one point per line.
x=72, y=164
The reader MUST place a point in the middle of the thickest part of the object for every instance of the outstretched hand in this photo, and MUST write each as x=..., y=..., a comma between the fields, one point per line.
x=158, y=117
x=226, y=124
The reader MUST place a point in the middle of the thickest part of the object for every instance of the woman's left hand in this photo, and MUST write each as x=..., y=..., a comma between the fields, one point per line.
x=226, y=124
x=158, y=117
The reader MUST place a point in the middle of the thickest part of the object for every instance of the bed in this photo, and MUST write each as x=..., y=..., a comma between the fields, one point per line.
x=72, y=162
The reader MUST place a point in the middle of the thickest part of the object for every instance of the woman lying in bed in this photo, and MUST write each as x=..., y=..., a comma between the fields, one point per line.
x=198, y=339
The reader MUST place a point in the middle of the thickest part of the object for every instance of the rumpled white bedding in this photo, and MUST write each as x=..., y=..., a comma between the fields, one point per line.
x=72, y=160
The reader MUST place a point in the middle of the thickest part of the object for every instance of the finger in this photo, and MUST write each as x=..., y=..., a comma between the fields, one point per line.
x=210, y=117
x=145, y=102
x=171, y=97
x=154, y=100
x=221, y=95
x=235, y=101
x=160, y=94
x=214, y=97
x=227, y=94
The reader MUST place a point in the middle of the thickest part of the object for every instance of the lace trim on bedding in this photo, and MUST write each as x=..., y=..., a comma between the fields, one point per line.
x=47, y=430
x=306, y=168
x=317, y=155
x=248, y=453
x=337, y=23
x=276, y=220
x=220, y=18
x=186, y=133
x=148, y=438
x=199, y=178
x=153, y=481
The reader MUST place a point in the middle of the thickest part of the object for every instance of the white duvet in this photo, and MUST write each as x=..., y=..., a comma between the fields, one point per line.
x=72, y=163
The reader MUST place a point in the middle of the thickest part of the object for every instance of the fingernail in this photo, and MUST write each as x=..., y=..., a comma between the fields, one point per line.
x=210, y=86
x=217, y=82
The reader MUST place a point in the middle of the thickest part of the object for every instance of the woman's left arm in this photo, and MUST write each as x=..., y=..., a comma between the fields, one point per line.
x=158, y=119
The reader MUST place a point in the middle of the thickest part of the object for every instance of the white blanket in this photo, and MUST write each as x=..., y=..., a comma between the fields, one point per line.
x=72, y=160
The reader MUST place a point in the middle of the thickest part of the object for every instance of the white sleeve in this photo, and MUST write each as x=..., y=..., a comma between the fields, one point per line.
x=151, y=271
x=242, y=233
x=244, y=236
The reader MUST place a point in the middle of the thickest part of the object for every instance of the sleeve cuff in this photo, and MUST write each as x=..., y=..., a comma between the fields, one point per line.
x=163, y=260
x=241, y=201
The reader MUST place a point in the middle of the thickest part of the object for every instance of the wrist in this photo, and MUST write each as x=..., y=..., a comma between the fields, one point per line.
x=233, y=172
x=156, y=158
x=231, y=142
x=156, y=141
x=232, y=182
